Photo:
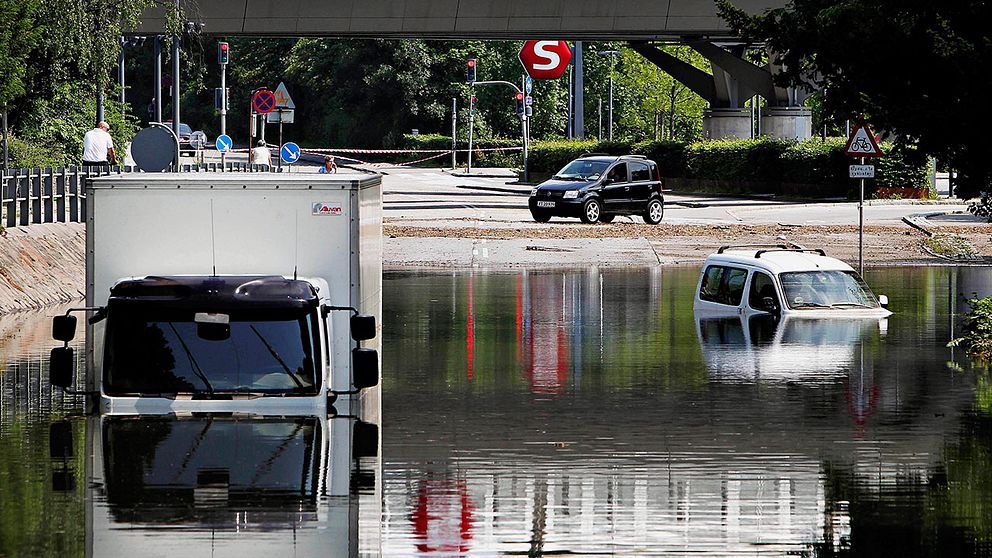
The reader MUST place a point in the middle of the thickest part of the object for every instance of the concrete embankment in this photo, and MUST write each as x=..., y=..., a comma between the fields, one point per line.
x=42, y=265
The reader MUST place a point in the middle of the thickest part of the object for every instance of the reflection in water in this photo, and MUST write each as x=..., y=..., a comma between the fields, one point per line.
x=602, y=417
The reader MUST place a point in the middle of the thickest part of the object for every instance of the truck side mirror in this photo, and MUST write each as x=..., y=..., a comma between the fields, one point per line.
x=362, y=327
x=365, y=367
x=60, y=367
x=365, y=440
x=64, y=327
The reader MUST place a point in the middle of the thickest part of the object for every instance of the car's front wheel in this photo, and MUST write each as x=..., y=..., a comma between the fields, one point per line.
x=540, y=216
x=654, y=211
x=591, y=211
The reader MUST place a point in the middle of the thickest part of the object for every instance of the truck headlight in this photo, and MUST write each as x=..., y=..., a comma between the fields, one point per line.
x=571, y=194
x=533, y=191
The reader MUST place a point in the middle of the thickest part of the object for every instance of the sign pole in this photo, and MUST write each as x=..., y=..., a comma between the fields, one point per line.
x=861, y=226
x=454, y=131
x=471, y=126
x=523, y=125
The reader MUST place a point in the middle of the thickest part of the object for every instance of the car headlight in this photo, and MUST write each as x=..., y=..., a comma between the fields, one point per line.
x=533, y=191
x=571, y=194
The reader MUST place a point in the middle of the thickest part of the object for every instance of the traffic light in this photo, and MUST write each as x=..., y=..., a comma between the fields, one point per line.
x=470, y=72
x=471, y=104
x=520, y=103
x=222, y=53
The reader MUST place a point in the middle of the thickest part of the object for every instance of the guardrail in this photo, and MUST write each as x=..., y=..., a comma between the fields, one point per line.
x=57, y=195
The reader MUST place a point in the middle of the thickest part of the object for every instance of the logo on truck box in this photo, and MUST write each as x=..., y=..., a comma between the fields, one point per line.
x=325, y=208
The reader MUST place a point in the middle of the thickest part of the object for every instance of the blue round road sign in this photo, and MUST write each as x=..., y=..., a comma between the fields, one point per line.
x=224, y=143
x=290, y=153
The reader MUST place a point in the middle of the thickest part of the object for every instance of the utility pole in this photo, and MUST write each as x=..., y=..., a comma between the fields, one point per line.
x=454, y=132
x=600, y=136
x=6, y=140
x=223, y=51
x=120, y=69
x=578, y=97
x=175, y=80
x=612, y=54
x=524, y=129
x=157, y=99
x=471, y=126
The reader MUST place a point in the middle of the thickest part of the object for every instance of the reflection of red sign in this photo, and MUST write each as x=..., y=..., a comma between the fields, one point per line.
x=442, y=520
x=263, y=101
x=545, y=59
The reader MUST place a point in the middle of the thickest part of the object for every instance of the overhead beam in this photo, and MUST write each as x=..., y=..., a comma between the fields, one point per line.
x=749, y=76
x=700, y=82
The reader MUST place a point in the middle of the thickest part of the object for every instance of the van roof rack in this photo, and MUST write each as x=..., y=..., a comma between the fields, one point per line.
x=736, y=246
x=817, y=250
x=636, y=156
x=584, y=155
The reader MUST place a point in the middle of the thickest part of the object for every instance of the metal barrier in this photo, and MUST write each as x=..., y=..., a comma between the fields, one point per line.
x=57, y=195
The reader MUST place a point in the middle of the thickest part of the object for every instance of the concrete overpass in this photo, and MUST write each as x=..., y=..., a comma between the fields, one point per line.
x=460, y=19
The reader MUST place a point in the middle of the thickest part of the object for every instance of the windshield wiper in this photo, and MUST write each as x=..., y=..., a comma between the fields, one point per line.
x=558, y=177
x=810, y=305
x=275, y=355
x=196, y=366
x=854, y=304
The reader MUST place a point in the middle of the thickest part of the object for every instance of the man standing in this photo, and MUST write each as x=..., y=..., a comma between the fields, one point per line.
x=98, y=147
x=261, y=155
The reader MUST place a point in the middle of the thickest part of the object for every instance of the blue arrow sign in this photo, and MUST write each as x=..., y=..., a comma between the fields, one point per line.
x=529, y=84
x=224, y=143
x=290, y=153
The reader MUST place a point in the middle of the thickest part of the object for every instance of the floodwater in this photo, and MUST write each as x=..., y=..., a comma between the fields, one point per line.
x=583, y=413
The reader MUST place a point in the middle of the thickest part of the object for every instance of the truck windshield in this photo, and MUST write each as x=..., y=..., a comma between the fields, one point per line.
x=153, y=352
x=827, y=289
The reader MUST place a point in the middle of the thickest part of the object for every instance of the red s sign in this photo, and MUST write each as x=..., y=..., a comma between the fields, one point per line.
x=545, y=59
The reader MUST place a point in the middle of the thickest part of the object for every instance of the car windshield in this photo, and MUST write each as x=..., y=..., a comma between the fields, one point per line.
x=827, y=289
x=152, y=352
x=582, y=170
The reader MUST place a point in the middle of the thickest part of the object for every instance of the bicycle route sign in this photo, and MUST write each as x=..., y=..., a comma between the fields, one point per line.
x=862, y=143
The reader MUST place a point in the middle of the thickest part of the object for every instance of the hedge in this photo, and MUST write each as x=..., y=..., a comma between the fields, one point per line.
x=811, y=167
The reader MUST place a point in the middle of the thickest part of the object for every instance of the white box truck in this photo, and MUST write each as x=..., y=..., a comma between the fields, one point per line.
x=230, y=292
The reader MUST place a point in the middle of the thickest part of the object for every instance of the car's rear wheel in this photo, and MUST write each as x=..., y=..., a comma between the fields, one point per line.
x=654, y=211
x=606, y=218
x=591, y=211
x=540, y=216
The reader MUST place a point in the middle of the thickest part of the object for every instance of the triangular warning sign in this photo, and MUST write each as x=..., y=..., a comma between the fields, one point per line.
x=862, y=143
x=283, y=100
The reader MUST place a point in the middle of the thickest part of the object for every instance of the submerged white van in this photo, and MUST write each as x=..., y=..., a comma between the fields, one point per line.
x=779, y=279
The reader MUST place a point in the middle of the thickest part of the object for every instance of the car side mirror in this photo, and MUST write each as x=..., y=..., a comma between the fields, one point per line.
x=365, y=367
x=60, y=367
x=362, y=327
x=883, y=301
x=768, y=304
x=64, y=328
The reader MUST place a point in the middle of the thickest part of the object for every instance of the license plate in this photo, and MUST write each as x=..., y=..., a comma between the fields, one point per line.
x=545, y=204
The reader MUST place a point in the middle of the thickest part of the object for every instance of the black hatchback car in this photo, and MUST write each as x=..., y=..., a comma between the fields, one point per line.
x=597, y=188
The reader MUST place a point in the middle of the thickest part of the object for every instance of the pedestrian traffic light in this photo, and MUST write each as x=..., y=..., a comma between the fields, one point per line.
x=470, y=72
x=222, y=53
x=520, y=103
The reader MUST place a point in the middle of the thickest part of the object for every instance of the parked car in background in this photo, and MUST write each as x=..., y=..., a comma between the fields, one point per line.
x=185, y=134
x=597, y=188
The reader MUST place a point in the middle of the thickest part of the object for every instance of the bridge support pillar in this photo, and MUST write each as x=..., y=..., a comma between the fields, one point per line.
x=787, y=122
x=725, y=123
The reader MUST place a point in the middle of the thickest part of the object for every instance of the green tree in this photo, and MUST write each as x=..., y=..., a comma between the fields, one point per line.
x=18, y=34
x=918, y=69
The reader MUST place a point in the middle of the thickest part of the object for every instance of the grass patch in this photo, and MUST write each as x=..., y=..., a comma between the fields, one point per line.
x=950, y=246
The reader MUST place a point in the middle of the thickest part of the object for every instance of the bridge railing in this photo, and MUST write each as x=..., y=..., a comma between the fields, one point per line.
x=58, y=195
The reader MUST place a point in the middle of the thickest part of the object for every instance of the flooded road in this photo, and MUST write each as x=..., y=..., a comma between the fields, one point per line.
x=591, y=413
x=543, y=413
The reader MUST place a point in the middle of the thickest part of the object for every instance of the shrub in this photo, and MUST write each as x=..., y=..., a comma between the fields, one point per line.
x=977, y=337
x=27, y=154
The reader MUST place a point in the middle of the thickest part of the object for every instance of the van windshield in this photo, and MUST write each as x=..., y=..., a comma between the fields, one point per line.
x=827, y=289
x=165, y=352
x=582, y=170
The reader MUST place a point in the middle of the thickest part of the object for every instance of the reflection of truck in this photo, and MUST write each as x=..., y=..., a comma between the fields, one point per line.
x=226, y=485
x=230, y=292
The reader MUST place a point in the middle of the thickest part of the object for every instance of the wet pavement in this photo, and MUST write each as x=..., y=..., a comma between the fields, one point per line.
x=543, y=413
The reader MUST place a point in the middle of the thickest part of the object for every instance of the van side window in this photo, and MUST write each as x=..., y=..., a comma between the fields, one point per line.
x=762, y=287
x=723, y=285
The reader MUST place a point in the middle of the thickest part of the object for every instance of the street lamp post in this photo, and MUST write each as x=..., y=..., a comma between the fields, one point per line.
x=612, y=54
